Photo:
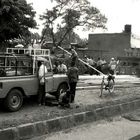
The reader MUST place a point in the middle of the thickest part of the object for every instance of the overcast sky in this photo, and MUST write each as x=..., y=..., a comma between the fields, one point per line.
x=118, y=12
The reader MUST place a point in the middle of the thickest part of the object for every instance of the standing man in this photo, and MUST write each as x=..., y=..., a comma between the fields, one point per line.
x=74, y=56
x=99, y=65
x=41, y=75
x=73, y=76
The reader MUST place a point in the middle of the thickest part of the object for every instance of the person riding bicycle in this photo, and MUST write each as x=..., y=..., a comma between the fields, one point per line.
x=113, y=65
x=109, y=78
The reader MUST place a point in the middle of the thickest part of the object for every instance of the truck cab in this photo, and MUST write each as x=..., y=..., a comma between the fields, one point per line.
x=19, y=76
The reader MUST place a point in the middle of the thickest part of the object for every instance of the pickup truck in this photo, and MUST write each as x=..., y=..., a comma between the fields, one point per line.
x=19, y=76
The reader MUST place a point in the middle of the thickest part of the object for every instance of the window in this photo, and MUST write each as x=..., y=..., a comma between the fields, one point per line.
x=16, y=65
x=1, y=61
x=2, y=65
x=24, y=66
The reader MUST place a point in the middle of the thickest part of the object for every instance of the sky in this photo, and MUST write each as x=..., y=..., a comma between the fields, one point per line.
x=118, y=12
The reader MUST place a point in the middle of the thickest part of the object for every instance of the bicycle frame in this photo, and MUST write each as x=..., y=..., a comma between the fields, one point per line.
x=109, y=86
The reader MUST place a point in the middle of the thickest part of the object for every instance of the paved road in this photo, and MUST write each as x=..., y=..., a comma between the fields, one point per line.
x=116, y=129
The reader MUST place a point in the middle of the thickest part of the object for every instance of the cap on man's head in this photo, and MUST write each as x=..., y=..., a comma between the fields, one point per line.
x=112, y=58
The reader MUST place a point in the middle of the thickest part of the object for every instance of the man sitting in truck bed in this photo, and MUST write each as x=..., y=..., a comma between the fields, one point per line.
x=62, y=68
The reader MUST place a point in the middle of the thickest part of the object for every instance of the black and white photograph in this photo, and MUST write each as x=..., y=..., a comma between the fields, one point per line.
x=69, y=70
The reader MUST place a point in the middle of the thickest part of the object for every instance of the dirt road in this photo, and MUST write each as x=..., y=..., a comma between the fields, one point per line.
x=32, y=112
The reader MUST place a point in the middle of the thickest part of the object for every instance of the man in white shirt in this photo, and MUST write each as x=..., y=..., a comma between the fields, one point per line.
x=41, y=75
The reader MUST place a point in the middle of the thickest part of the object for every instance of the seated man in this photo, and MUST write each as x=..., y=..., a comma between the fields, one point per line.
x=2, y=73
x=55, y=68
x=62, y=68
x=65, y=98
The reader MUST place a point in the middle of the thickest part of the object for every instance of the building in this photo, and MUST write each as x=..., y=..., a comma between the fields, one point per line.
x=107, y=45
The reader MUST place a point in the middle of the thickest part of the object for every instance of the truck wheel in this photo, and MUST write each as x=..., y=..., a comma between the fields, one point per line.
x=14, y=100
x=62, y=88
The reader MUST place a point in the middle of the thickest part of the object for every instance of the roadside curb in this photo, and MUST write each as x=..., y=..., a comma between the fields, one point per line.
x=97, y=86
x=89, y=114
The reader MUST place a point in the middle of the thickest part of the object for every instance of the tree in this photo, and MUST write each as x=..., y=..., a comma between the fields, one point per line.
x=71, y=37
x=31, y=38
x=69, y=14
x=16, y=17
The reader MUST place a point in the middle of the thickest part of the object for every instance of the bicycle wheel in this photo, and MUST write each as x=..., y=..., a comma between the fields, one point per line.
x=111, y=86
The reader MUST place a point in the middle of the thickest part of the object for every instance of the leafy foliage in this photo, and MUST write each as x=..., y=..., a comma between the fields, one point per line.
x=69, y=14
x=16, y=17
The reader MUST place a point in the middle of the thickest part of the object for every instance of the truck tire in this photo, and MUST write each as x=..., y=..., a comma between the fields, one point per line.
x=14, y=100
x=62, y=88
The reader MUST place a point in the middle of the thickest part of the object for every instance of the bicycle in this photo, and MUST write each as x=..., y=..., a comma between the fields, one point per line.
x=109, y=85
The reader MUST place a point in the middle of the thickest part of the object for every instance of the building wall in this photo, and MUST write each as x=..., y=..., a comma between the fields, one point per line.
x=108, y=45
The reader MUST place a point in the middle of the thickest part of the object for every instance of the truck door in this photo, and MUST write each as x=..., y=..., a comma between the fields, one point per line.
x=49, y=82
x=49, y=76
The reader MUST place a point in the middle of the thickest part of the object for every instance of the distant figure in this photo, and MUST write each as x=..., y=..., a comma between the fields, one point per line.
x=55, y=68
x=73, y=77
x=85, y=58
x=105, y=67
x=99, y=64
x=90, y=61
x=104, y=62
x=2, y=73
x=113, y=65
x=62, y=68
x=41, y=75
